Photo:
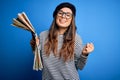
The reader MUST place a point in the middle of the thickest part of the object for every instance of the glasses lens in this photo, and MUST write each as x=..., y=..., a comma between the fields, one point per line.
x=60, y=13
x=67, y=14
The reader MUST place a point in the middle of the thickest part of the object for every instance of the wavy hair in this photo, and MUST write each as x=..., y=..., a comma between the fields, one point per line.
x=67, y=50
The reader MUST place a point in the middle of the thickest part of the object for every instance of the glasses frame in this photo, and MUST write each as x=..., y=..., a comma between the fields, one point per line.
x=68, y=15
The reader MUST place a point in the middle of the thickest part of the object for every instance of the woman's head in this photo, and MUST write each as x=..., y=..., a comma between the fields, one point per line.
x=63, y=14
x=63, y=18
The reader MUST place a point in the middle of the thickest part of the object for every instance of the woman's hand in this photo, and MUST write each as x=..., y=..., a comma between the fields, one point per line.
x=34, y=42
x=87, y=49
x=37, y=41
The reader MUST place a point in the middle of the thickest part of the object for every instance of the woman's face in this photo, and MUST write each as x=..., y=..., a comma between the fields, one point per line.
x=64, y=17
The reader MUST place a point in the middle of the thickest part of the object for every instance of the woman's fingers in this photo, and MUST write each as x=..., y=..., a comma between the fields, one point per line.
x=32, y=42
x=37, y=40
x=88, y=48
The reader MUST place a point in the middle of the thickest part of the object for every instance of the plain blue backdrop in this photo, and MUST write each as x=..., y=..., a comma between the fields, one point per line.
x=97, y=21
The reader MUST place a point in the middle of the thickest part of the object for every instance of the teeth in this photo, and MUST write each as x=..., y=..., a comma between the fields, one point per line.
x=62, y=21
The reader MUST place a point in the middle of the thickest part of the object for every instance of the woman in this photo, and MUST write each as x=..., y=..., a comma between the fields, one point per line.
x=61, y=47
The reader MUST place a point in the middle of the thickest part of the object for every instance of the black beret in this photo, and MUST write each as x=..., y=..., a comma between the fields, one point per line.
x=62, y=5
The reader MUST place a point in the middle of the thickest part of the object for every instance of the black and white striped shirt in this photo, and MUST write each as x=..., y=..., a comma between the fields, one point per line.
x=55, y=68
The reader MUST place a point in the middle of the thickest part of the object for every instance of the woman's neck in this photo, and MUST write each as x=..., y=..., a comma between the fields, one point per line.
x=62, y=30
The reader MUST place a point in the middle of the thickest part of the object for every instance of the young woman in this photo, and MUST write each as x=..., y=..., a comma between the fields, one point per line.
x=61, y=47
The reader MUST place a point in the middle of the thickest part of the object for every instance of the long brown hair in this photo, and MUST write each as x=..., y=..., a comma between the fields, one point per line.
x=67, y=50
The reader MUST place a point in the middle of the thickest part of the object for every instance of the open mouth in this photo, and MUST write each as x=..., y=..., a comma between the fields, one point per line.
x=62, y=21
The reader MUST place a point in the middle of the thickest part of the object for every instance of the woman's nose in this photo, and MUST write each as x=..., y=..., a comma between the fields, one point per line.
x=63, y=15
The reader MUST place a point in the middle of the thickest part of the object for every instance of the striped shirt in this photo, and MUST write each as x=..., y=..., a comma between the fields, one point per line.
x=55, y=68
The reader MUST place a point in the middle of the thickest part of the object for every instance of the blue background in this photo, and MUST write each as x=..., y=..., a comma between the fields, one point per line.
x=98, y=21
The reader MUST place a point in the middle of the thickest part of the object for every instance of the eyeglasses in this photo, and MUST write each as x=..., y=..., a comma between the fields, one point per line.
x=65, y=14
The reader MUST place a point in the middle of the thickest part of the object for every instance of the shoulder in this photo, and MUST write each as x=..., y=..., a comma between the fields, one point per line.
x=77, y=35
x=44, y=33
x=78, y=38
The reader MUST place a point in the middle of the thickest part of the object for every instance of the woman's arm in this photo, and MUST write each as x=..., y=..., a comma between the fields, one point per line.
x=81, y=53
x=81, y=61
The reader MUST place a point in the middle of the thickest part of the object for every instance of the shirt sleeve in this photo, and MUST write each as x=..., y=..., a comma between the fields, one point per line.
x=80, y=60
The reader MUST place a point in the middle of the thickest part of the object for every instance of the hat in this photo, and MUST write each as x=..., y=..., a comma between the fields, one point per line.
x=65, y=4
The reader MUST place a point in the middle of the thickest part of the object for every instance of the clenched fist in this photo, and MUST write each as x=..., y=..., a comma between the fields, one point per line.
x=89, y=47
